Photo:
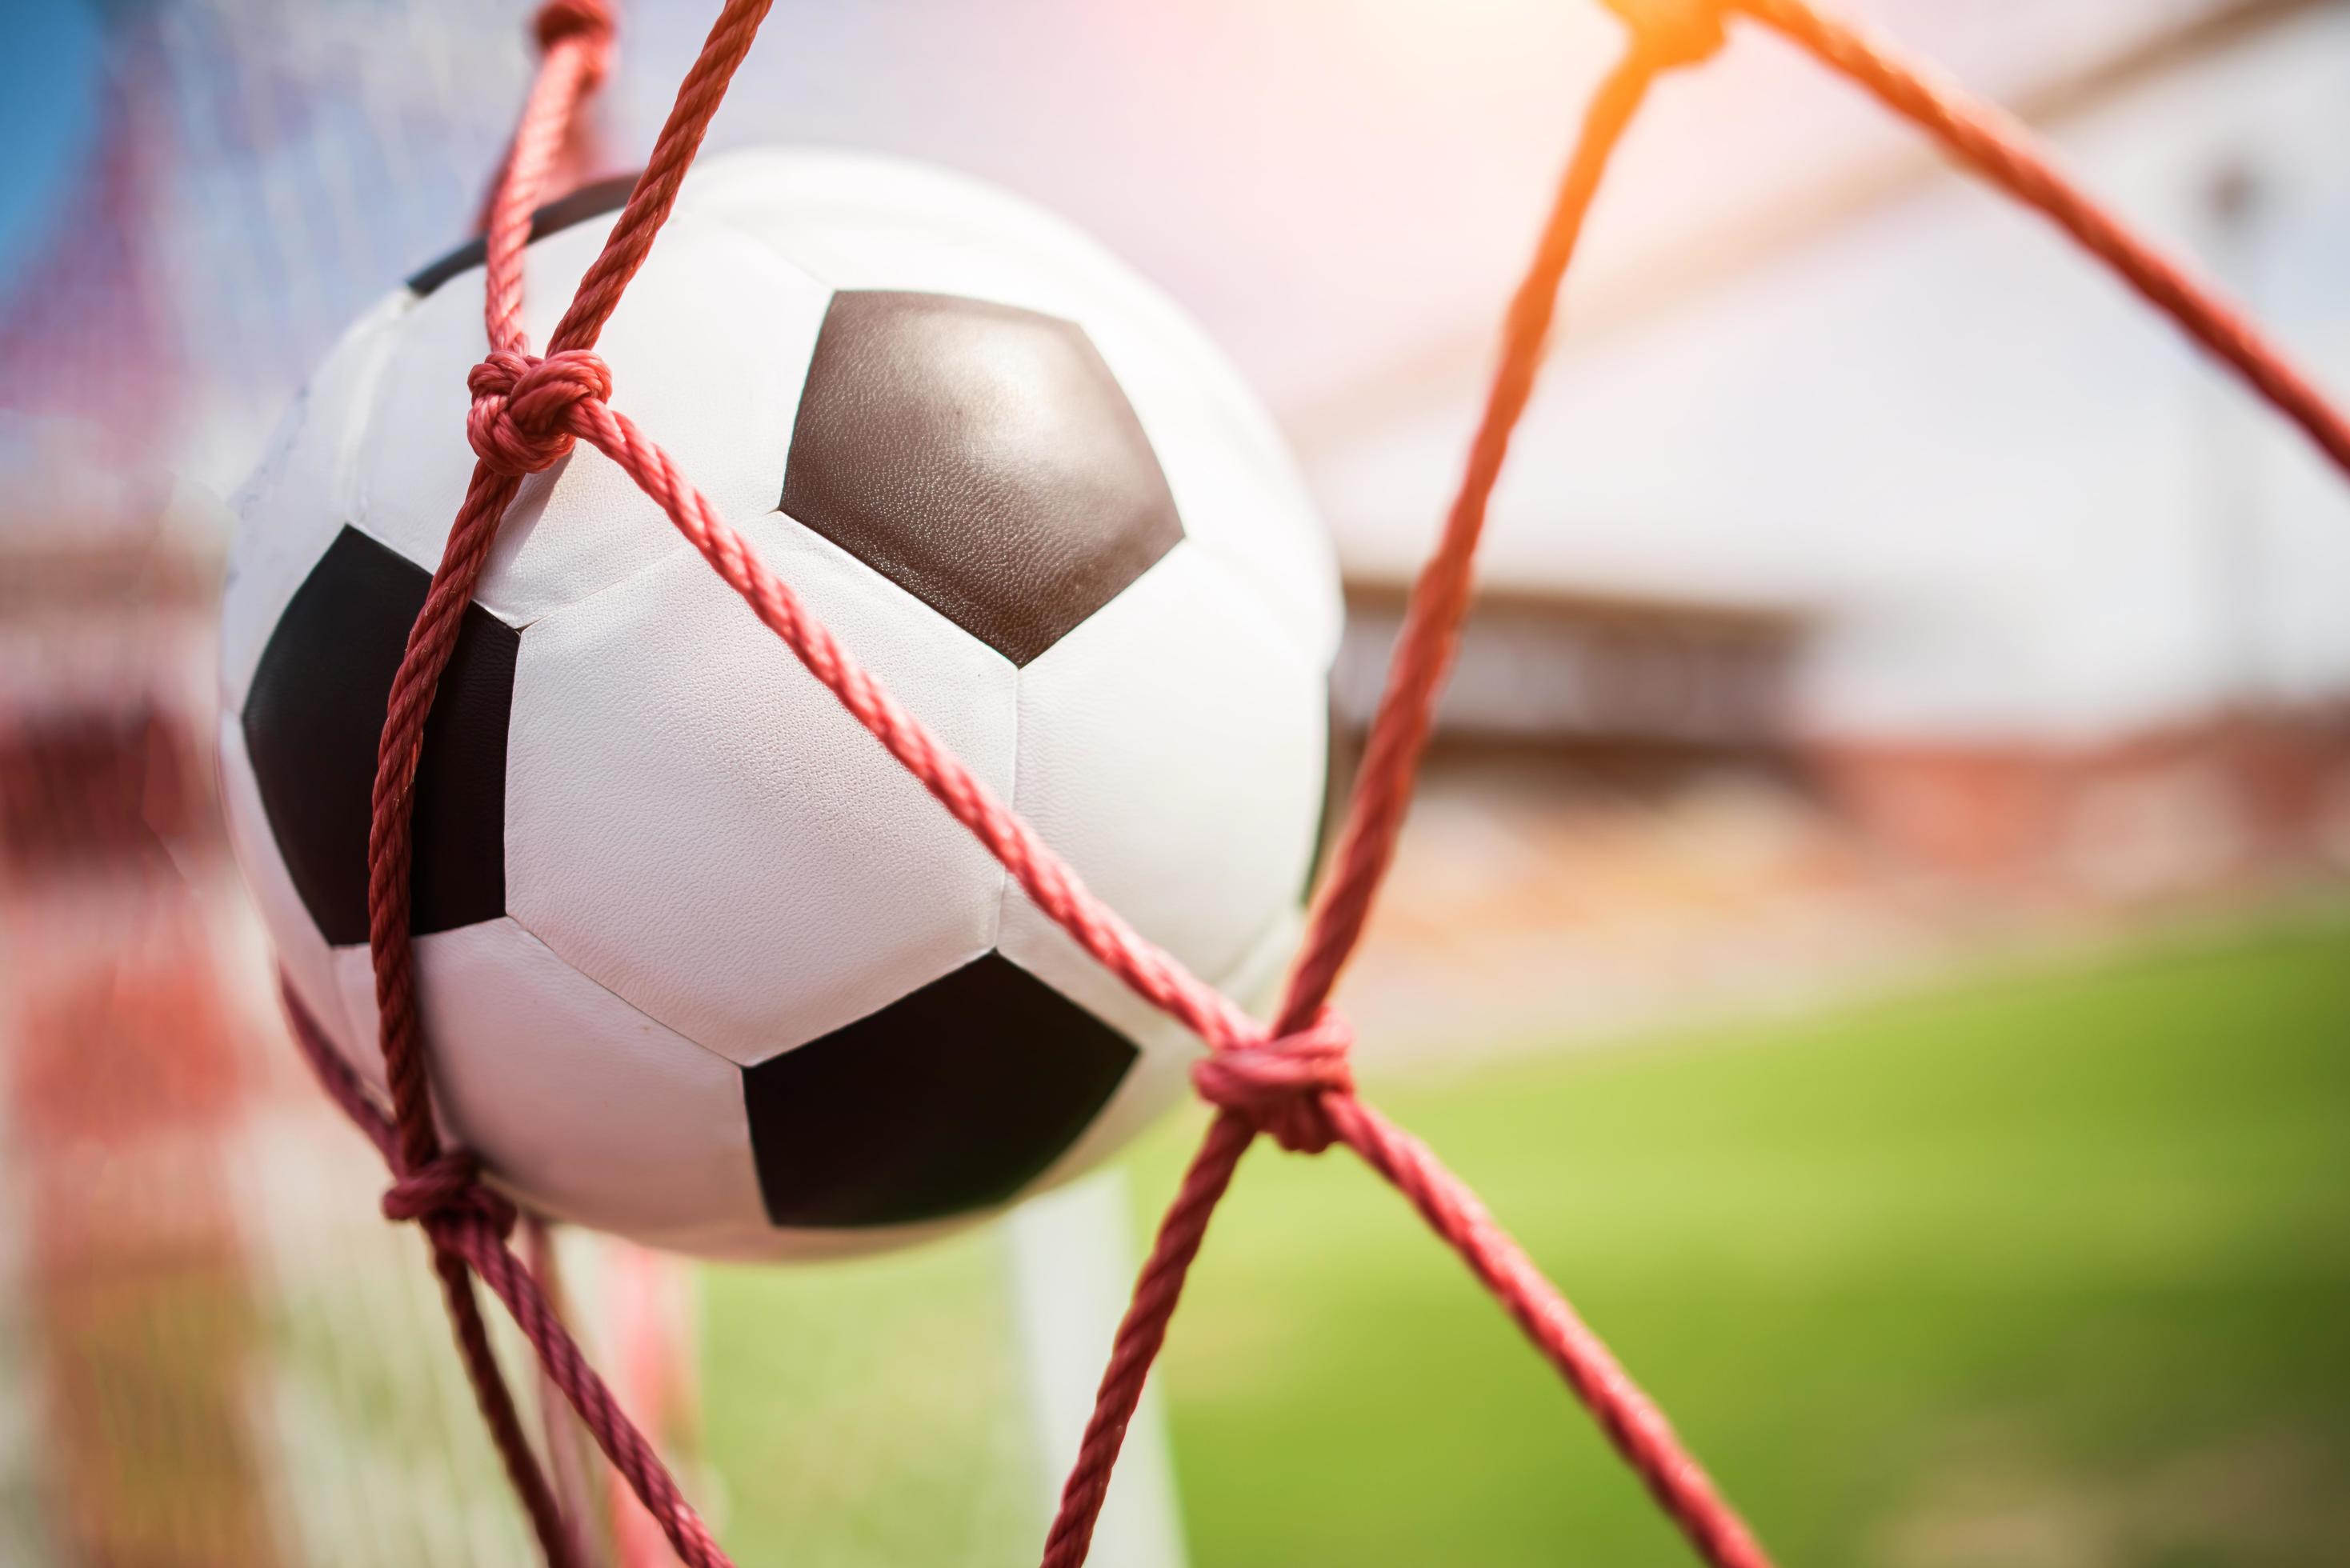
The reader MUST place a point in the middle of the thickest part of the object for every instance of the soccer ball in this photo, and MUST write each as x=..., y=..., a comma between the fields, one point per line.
x=697, y=961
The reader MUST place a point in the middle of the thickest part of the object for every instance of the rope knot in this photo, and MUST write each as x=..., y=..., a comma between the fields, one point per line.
x=590, y=21
x=1672, y=32
x=448, y=1186
x=520, y=421
x=1277, y=1086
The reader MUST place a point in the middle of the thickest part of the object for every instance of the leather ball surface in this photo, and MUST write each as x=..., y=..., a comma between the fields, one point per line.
x=698, y=962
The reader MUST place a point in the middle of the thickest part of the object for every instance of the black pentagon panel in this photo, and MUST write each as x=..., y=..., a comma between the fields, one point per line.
x=588, y=202
x=980, y=457
x=311, y=725
x=950, y=1099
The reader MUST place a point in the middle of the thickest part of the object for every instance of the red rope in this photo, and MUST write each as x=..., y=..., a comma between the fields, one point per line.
x=1440, y=601
x=577, y=38
x=1996, y=146
x=464, y=1232
x=1290, y=1081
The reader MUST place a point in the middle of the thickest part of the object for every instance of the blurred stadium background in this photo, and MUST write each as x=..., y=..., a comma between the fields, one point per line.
x=1878, y=921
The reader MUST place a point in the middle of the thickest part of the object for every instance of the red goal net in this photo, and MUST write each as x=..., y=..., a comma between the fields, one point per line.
x=1290, y=1081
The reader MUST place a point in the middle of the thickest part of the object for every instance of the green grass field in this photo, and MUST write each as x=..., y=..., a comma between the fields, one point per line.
x=2051, y=1269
